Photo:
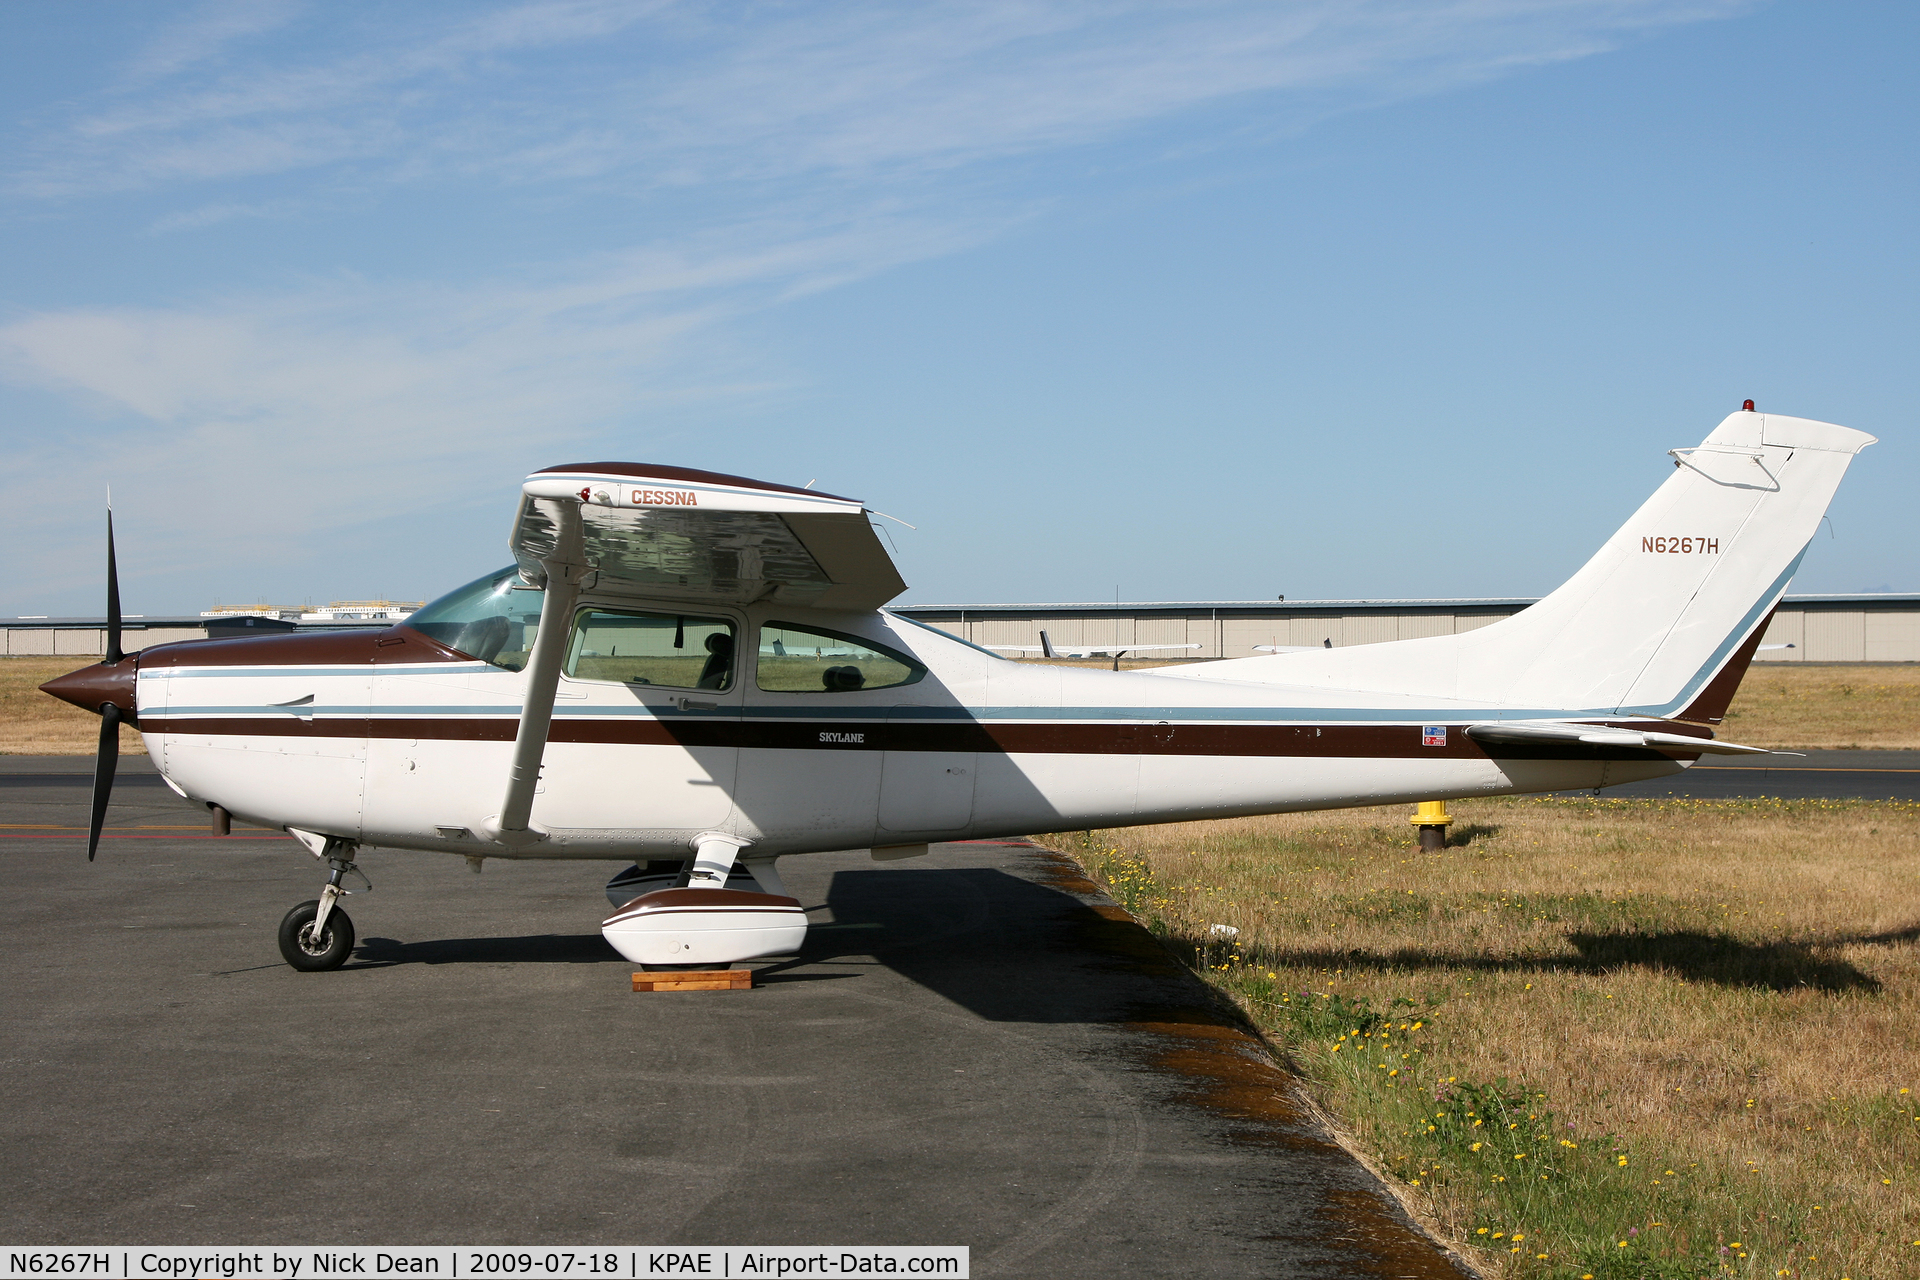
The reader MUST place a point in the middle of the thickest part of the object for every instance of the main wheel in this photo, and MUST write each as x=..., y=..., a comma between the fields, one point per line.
x=310, y=954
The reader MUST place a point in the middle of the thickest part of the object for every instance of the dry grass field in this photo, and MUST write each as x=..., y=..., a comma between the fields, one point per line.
x=1827, y=707
x=1609, y=1038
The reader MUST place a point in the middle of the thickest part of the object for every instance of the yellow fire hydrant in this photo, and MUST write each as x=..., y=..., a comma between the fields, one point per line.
x=1432, y=819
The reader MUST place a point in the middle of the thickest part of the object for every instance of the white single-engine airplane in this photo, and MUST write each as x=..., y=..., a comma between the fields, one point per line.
x=694, y=671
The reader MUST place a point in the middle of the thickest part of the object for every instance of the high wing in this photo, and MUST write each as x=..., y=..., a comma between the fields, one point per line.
x=671, y=533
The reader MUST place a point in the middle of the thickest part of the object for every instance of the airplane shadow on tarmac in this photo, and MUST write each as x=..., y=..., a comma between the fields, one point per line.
x=540, y=948
x=1003, y=947
x=1010, y=950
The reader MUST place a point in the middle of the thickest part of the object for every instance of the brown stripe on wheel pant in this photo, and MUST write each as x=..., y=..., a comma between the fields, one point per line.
x=1379, y=742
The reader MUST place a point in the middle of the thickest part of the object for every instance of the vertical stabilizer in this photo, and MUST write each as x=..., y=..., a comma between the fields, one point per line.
x=1670, y=602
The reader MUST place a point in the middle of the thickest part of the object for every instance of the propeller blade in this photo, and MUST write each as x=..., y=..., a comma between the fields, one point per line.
x=103, y=767
x=113, y=598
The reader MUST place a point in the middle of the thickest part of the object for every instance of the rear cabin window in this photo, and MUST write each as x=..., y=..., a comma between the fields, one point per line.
x=805, y=660
x=682, y=651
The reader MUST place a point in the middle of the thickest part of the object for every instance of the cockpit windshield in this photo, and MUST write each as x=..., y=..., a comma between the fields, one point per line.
x=492, y=619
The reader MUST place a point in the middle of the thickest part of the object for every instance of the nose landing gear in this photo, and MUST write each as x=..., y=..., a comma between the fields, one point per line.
x=316, y=936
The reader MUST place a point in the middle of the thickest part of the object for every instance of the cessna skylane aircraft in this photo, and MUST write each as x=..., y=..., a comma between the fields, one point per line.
x=694, y=672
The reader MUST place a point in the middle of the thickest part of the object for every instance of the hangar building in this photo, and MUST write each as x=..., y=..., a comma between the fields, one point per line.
x=1821, y=628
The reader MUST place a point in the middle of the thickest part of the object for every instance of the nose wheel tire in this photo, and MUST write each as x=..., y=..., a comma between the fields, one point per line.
x=309, y=954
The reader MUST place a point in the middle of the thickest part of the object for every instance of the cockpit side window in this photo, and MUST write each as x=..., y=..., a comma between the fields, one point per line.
x=492, y=618
x=797, y=659
x=679, y=650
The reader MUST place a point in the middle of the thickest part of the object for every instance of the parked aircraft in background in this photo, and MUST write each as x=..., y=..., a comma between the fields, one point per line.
x=695, y=672
x=1047, y=648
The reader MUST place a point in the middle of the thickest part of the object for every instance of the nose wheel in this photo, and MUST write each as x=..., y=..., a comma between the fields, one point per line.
x=310, y=950
x=317, y=936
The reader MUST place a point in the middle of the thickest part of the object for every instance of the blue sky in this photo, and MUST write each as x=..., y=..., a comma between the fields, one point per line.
x=1184, y=301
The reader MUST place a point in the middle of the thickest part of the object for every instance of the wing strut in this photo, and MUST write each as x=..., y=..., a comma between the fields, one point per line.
x=565, y=570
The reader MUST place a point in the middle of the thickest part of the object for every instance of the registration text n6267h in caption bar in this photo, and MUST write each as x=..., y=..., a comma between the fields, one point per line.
x=483, y=1262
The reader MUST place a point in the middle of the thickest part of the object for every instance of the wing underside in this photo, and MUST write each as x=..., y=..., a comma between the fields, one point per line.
x=663, y=533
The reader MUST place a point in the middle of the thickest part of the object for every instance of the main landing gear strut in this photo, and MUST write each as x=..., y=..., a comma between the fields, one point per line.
x=317, y=935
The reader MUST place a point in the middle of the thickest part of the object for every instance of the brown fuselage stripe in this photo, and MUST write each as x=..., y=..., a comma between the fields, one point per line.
x=1394, y=742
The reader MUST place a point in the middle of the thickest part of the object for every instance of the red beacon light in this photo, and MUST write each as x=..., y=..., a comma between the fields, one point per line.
x=1746, y=406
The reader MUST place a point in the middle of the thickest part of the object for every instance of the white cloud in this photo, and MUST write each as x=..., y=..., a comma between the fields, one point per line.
x=204, y=33
x=341, y=403
x=686, y=93
x=208, y=215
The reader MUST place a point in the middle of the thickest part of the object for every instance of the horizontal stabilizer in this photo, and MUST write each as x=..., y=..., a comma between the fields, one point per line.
x=1600, y=735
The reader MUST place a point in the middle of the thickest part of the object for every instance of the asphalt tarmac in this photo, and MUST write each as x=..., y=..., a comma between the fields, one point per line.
x=975, y=1048
x=1834, y=775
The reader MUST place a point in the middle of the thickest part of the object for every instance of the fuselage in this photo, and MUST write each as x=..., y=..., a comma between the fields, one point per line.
x=399, y=740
